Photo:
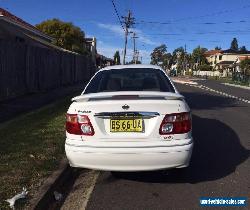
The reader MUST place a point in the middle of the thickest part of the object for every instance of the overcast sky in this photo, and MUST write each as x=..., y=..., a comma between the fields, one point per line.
x=172, y=22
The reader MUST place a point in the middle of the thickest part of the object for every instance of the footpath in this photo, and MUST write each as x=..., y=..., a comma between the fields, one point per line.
x=11, y=108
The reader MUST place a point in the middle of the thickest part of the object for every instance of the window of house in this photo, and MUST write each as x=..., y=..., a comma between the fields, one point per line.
x=220, y=57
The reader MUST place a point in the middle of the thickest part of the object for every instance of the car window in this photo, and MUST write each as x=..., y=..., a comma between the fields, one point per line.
x=129, y=80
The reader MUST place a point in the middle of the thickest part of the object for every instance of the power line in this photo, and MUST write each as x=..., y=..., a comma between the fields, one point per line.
x=202, y=16
x=117, y=14
x=203, y=23
x=197, y=17
x=225, y=32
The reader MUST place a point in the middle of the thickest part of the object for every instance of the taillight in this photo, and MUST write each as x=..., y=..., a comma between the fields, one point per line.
x=79, y=125
x=176, y=123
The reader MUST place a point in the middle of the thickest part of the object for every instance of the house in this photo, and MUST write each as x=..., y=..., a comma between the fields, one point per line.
x=210, y=55
x=31, y=63
x=102, y=61
x=17, y=30
x=225, y=59
x=90, y=44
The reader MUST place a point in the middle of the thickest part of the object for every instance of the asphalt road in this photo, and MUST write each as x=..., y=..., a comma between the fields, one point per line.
x=218, y=85
x=220, y=164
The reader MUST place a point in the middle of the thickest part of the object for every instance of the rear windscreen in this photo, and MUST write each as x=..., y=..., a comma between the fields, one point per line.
x=129, y=80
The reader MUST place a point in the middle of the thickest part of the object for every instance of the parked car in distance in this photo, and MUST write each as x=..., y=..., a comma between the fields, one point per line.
x=129, y=118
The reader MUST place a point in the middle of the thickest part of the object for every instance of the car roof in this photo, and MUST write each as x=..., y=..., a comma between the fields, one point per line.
x=131, y=66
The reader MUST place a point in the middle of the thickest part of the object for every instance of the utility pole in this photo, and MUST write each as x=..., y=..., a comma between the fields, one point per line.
x=135, y=51
x=136, y=56
x=185, y=61
x=128, y=21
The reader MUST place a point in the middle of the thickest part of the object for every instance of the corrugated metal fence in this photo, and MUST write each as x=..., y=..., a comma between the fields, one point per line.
x=27, y=69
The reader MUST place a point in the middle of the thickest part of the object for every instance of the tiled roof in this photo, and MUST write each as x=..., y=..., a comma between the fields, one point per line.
x=212, y=52
x=16, y=19
x=230, y=51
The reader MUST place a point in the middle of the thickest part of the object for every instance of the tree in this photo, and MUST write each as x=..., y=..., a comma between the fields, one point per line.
x=234, y=45
x=66, y=34
x=132, y=62
x=198, y=55
x=160, y=57
x=243, y=49
x=217, y=48
x=245, y=66
x=117, y=58
x=180, y=51
x=158, y=54
x=167, y=61
x=179, y=56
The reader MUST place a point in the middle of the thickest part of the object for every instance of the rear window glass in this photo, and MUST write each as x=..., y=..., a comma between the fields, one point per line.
x=129, y=80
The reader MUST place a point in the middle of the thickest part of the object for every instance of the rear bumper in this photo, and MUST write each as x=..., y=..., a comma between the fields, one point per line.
x=129, y=159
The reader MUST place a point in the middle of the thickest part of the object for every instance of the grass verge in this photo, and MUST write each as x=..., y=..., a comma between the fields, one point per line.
x=31, y=148
x=229, y=80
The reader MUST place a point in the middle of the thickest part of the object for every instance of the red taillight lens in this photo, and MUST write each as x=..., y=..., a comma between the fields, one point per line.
x=176, y=123
x=79, y=125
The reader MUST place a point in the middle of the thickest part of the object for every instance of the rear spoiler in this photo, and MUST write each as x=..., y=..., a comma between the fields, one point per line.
x=141, y=95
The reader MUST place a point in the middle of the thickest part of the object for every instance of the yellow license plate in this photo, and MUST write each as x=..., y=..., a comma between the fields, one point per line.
x=129, y=125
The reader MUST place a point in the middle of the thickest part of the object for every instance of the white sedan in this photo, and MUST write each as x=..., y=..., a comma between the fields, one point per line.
x=129, y=118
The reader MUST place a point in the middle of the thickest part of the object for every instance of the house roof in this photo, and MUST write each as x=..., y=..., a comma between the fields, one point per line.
x=230, y=51
x=90, y=39
x=99, y=56
x=212, y=52
x=12, y=17
x=7, y=16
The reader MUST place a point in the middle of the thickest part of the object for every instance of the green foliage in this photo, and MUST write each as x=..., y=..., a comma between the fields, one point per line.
x=132, y=62
x=198, y=55
x=217, y=48
x=245, y=66
x=180, y=51
x=205, y=67
x=66, y=34
x=160, y=57
x=158, y=54
x=243, y=49
x=180, y=57
x=234, y=44
x=117, y=58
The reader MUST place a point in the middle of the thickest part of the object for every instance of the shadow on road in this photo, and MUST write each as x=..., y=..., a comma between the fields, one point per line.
x=203, y=100
x=217, y=153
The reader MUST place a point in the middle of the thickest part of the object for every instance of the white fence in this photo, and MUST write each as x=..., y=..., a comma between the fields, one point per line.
x=209, y=73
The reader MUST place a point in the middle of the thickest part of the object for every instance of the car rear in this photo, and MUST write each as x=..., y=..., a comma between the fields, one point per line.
x=129, y=119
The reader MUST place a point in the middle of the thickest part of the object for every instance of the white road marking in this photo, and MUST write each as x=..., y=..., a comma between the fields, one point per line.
x=238, y=86
x=212, y=90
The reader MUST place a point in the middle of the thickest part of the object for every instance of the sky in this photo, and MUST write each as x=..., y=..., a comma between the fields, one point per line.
x=175, y=23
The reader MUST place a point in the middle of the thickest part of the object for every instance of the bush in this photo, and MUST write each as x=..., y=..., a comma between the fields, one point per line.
x=205, y=67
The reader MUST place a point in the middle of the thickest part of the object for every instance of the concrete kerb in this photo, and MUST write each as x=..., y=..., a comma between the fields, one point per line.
x=60, y=180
